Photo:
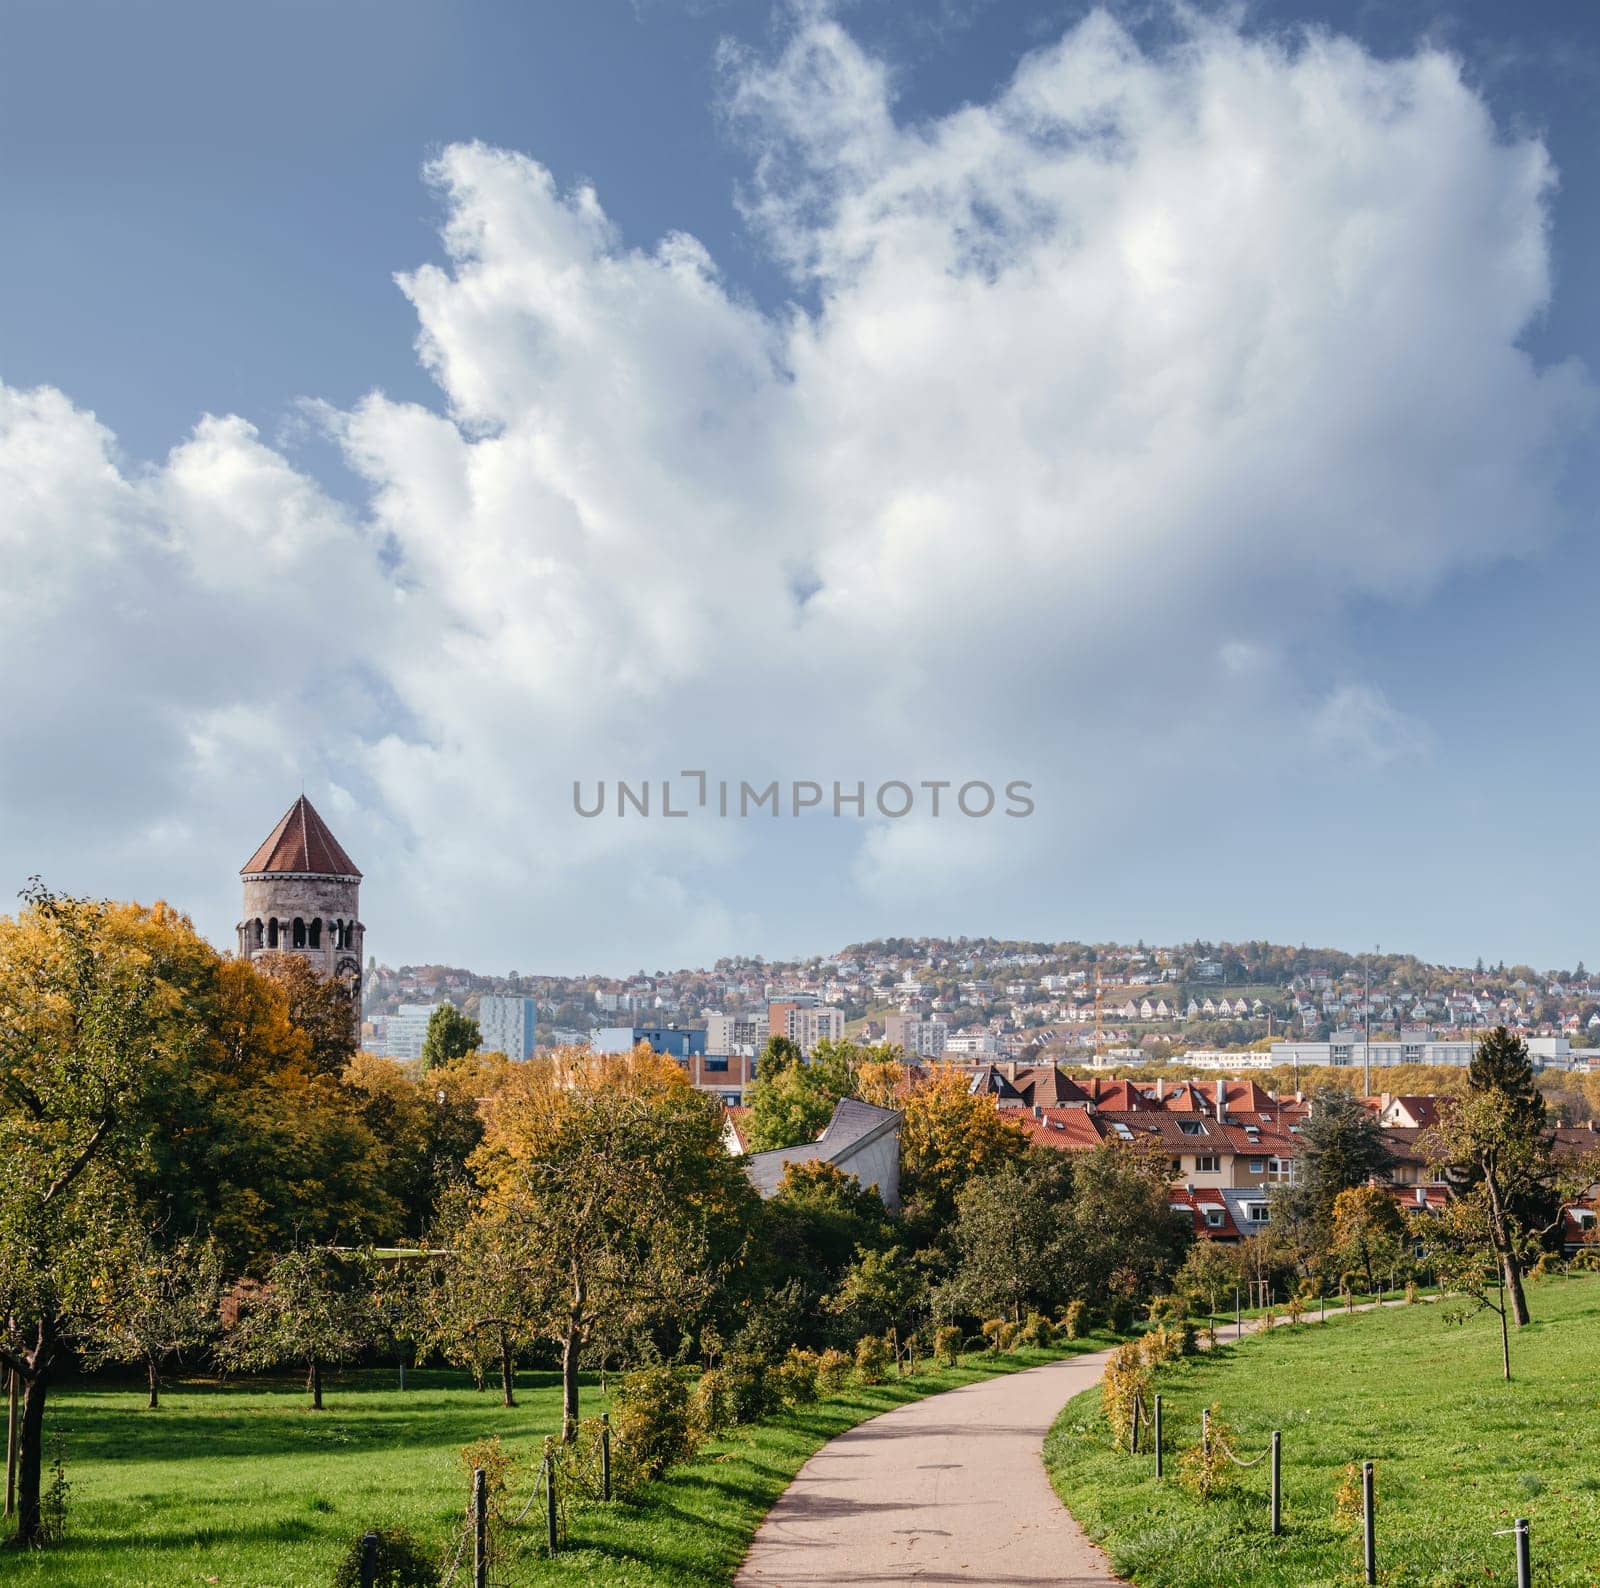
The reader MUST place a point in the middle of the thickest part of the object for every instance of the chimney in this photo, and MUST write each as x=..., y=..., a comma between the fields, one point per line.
x=1161, y=1088
x=1299, y=1097
x=1222, y=1099
x=1038, y=1110
x=1422, y=1196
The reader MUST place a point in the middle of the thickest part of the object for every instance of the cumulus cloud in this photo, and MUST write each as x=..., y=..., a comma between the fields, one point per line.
x=1089, y=398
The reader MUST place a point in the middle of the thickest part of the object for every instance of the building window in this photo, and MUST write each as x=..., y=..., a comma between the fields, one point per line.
x=316, y=933
x=1191, y=1127
x=1280, y=1169
x=717, y=1063
x=1207, y=1163
x=299, y=933
x=1258, y=1166
x=272, y=934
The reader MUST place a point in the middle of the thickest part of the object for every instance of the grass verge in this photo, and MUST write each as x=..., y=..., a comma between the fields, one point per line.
x=1458, y=1453
x=240, y=1486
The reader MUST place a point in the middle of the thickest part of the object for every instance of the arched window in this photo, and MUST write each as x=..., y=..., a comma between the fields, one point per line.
x=299, y=933
x=316, y=933
x=272, y=934
x=260, y=934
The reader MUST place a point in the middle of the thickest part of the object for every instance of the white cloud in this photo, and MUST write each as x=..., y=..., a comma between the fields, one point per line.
x=1149, y=352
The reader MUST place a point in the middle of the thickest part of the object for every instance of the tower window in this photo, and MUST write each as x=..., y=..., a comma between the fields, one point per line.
x=316, y=933
x=272, y=934
x=299, y=933
x=260, y=934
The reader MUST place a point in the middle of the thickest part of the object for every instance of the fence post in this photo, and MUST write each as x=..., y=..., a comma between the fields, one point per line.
x=480, y=1528
x=549, y=1502
x=1238, y=1317
x=369, y=1560
x=605, y=1455
x=1158, y=1436
x=1369, y=1523
x=1524, y=1554
x=1205, y=1429
x=1133, y=1429
x=1277, y=1483
x=1322, y=1302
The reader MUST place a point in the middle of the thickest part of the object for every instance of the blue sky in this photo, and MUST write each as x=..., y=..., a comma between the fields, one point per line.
x=205, y=207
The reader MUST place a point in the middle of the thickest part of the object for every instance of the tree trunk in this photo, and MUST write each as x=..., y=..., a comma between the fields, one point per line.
x=153, y=1379
x=508, y=1373
x=314, y=1384
x=30, y=1462
x=570, y=1348
x=1505, y=1248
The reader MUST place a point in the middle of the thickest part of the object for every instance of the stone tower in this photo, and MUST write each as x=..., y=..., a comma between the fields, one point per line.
x=302, y=896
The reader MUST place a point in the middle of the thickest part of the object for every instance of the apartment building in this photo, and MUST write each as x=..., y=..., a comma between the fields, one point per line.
x=917, y=1039
x=507, y=1025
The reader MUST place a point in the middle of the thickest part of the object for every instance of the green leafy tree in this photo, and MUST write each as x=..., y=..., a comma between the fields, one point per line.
x=451, y=1035
x=1497, y=1142
x=881, y=1293
x=609, y=1171
x=1010, y=1239
x=477, y=1301
x=1341, y=1146
x=151, y=1302
x=794, y=1098
x=315, y=1308
x=1209, y=1276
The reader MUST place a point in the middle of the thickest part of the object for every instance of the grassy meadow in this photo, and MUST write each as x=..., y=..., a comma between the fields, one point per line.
x=242, y=1486
x=1459, y=1453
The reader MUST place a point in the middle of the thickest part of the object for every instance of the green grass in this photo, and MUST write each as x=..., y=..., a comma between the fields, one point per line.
x=1458, y=1453
x=242, y=1487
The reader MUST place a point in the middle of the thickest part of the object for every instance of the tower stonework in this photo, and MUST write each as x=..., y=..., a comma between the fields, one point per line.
x=302, y=896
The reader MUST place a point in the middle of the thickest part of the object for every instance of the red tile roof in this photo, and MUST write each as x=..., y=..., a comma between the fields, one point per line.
x=302, y=843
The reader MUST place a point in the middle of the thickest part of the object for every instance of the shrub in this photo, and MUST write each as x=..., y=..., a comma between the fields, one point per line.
x=947, y=1344
x=994, y=1331
x=1295, y=1307
x=749, y=1396
x=402, y=1563
x=1188, y=1338
x=1127, y=1376
x=1038, y=1331
x=709, y=1411
x=1204, y=1468
x=872, y=1359
x=1168, y=1309
x=1119, y=1315
x=794, y=1379
x=1585, y=1262
x=1160, y=1345
x=1411, y=1292
x=495, y=1461
x=575, y=1466
x=1347, y=1498
x=1075, y=1320
x=833, y=1371
x=650, y=1423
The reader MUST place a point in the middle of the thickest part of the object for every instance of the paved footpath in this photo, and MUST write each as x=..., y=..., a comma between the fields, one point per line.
x=950, y=1489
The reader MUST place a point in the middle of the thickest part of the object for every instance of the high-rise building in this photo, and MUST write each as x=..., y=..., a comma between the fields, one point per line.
x=506, y=1024
x=917, y=1039
x=805, y=1023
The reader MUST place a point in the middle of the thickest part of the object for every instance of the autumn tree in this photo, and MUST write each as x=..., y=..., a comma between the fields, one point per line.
x=84, y=1007
x=610, y=1171
x=1209, y=1276
x=451, y=1035
x=948, y=1136
x=314, y=1309
x=1368, y=1230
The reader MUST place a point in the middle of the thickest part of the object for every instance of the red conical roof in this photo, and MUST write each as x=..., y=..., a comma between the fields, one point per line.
x=301, y=842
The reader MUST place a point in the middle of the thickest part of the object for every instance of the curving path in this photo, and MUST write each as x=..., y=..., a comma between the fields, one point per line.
x=950, y=1489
